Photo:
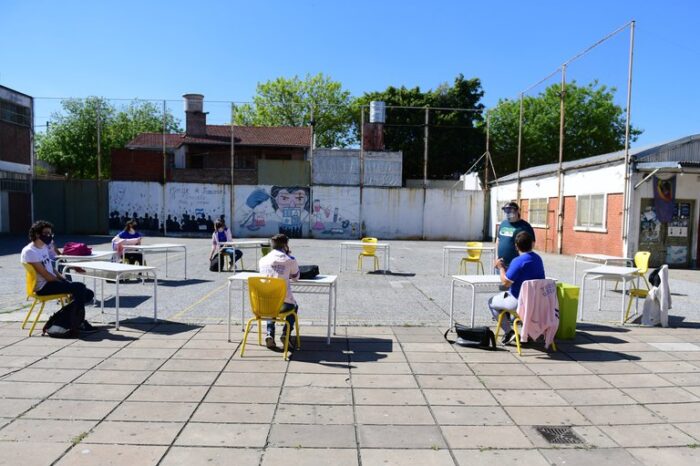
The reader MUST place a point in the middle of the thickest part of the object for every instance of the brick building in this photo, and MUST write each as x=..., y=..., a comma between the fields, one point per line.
x=16, y=149
x=593, y=191
x=203, y=152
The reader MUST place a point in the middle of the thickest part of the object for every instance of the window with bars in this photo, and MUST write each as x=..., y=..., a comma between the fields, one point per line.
x=537, y=212
x=14, y=113
x=590, y=212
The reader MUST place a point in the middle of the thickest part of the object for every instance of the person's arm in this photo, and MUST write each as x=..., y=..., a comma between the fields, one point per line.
x=502, y=272
x=294, y=270
x=41, y=270
x=229, y=236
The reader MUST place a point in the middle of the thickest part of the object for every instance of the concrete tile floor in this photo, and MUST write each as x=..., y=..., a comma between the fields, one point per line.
x=376, y=396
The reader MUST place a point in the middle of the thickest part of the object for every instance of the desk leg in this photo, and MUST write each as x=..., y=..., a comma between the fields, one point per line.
x=116, y=298
x=228, y=325
x=452, y=302
x=243, y=285
x=387, y=259
x=166, y=262
x=622, y=310
x=473, y=303
x=444, y=261
x=102, y=300
x=583, y=296
x=340, y=266
x=600, y=295
x=155, y=298
x=574, y=279
x=330, y=310
x=184, y=250
x=335, y=305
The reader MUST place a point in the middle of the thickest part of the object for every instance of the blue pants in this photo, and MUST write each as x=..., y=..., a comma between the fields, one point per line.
x=230, y=252
x=290, y=319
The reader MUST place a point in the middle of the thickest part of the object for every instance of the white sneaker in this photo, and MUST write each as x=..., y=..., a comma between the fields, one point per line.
x=270, y=342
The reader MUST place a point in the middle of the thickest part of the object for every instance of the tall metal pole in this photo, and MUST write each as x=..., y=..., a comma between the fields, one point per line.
x=560, y=173
x=627, y=195
x=520, y=146
x=487, y=157
x=233, y=152
x=164, y=215
x=99, y=142
x=362, y=167
x=311, y=149
x=425, y=148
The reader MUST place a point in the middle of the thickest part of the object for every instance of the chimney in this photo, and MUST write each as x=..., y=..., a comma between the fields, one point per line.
x=373, y=139
x=195, y=118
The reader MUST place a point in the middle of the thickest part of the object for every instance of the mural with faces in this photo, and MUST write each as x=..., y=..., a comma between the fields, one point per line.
x=267, y=210
x=335, y=212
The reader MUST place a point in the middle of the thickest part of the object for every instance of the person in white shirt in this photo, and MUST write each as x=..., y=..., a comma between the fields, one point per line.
x=38, y=254
x=279, y=263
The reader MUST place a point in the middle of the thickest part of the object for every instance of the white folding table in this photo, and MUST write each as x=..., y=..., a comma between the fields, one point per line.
x=154, y=248
x=115, y=271
x=256, y=244
x=384, y=247
x=608, y=273
x=449, y=249
x=600, y=259
x=96, y=255
x=322, y=284
x=478, y=284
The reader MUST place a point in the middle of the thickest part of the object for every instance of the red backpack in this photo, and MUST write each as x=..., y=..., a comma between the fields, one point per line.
x=76, y=249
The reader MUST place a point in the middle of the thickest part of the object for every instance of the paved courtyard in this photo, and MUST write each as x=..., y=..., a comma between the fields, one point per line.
x=388, y=390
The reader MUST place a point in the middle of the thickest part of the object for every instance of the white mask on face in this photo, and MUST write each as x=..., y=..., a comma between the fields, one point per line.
x=511, y=216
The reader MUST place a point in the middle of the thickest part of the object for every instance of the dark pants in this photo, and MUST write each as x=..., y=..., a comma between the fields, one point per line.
x=290, y=318
x=230, y=252
x=81, y=294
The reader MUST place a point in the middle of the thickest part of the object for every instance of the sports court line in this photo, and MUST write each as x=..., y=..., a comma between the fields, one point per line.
x=199, y=301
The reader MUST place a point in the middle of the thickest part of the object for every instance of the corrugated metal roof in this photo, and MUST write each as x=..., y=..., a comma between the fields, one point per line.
x=688, y=148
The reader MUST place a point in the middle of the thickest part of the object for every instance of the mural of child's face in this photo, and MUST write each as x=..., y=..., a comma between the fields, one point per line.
x=295, y=199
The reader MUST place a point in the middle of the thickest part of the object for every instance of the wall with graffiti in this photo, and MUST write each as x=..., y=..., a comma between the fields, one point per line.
x=267, y=210
x=335, y=212
x=193, y=208
x=135, y=200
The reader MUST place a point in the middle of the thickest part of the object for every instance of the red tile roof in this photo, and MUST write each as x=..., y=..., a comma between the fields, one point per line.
x=281, y=136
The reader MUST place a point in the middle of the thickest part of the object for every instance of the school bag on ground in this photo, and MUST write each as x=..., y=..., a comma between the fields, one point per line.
x=65, y=323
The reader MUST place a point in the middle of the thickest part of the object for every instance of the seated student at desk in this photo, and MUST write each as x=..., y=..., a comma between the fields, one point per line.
x=48, y=281
x=279, y=263
x=128, y=236
x=526, y=266
x=221, y=235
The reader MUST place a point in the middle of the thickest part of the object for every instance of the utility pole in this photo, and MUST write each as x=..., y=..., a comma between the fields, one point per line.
x=560, y=173
x=233, y=152
x=165, y=174
x=627, y=196
x=99, y=145
x=425, y=148
x=520, y=146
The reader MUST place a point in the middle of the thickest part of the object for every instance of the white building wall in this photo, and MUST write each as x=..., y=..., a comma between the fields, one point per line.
x=393, y=213
x=453, y=215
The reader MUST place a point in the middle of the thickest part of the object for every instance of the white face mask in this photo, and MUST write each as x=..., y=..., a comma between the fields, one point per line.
x=511, y=216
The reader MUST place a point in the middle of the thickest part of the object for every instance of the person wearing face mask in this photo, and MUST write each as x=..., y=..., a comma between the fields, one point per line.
x=128, y=236
x=221, y=235
x=48, y=281
x=510, y=226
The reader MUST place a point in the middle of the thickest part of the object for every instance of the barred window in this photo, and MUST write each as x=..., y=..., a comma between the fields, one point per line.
x=537, y=214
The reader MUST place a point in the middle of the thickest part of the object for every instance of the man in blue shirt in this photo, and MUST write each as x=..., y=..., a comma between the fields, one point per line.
x=509, y=228
x=526, y=266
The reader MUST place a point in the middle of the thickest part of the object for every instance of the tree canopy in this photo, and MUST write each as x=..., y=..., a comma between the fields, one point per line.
x=593, y=125
x=454, y=139
x=293, y=101
x=70, y=142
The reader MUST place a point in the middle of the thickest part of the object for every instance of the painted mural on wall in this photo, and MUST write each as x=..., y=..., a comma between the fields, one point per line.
x=193, y=208
x=135, y=200
x=268, y=210
x=335, y=212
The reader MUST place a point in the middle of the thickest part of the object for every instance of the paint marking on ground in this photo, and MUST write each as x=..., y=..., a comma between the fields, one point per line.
x=199, y=301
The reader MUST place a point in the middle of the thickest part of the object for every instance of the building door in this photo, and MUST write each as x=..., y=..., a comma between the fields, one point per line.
x=20, y=208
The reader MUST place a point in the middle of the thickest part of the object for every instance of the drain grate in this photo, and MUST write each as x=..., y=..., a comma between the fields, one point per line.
x=559, y=435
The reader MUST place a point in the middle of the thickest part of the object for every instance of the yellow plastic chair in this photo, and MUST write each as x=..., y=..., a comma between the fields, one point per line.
x=266, y=299
x=368, y=251
x=516, y=321
x=31, y=283
x=634, y=293
x=641, y=262
x=473, y=255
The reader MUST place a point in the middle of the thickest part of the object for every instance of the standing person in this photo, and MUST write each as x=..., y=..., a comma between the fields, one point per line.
x=128, y=236
x=221, y=235
x=279, y=263
x=510, y=226
x=49, y=281
x=526, y=266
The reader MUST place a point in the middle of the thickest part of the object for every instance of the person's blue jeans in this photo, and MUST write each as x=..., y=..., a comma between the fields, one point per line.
x=290, y=318
x=230, y=252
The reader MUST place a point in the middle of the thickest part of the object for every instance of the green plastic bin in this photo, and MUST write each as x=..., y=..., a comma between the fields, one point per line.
x=567, y=294
x=265, y=249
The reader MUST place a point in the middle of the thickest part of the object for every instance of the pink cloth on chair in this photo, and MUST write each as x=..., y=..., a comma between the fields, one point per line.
x=538, y=310
x=119, y=243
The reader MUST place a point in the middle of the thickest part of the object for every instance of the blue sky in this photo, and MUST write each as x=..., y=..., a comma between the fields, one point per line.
x=163, y=49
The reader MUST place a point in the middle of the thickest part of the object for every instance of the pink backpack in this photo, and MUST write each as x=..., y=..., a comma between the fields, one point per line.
x=76, y=249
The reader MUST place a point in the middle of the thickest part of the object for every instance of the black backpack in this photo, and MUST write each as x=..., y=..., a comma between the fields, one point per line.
x=308, y=272
x=69, y=317
x=481, y=337
x=654, y=279
x=217, y=263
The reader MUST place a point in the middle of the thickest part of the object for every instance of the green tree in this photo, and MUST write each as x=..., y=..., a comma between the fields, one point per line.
x=293, y=101
x=455, y=139
x=594, y=125
x=70, y=143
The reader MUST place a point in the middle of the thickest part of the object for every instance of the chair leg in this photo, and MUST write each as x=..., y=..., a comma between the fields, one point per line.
x=287, y=332
x=245, y=335
x=36, y=319
x=629, y=307
x=359, y=262
x=29, y=313
x=462, y=268
x=481, y=266
x=498, y=325
x=296, y=328
x=646, y=282
x=376, y=263
x=517, y=335
x=259, y=332
x=554, y=346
